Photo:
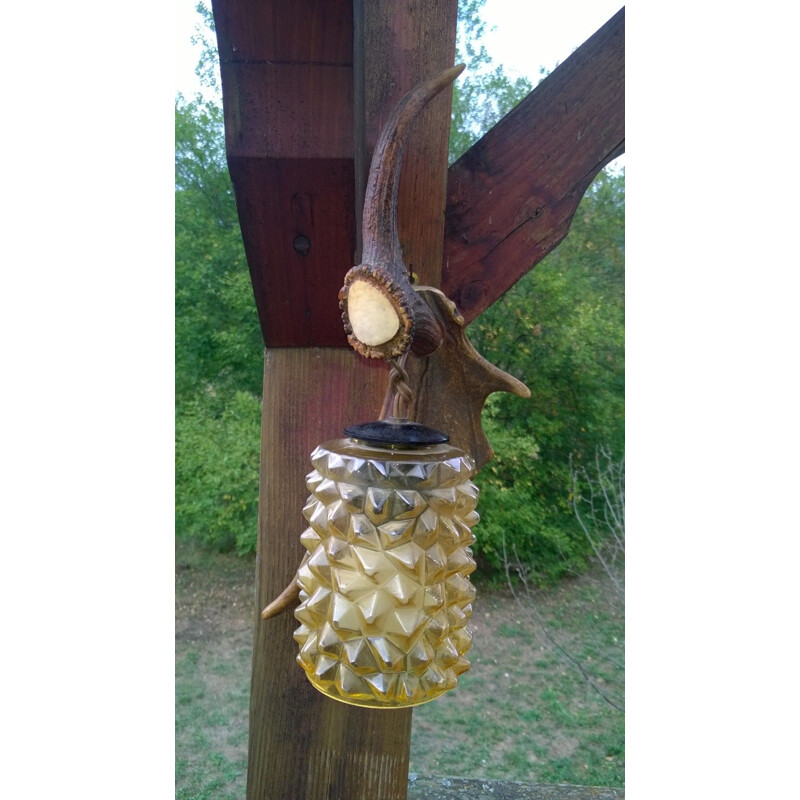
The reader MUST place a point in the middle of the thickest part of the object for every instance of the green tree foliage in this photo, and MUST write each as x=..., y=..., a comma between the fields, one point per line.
x=216, y=470
x=218, y=344
x=560, y=330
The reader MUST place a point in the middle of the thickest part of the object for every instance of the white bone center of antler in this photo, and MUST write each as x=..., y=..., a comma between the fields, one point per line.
x=372, y=315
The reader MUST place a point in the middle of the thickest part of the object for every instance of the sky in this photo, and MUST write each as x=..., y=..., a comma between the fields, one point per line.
x=525, y=36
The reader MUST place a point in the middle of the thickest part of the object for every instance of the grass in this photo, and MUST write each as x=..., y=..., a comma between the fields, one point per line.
x=523, y=712
x=211, y=698
x=212, y=675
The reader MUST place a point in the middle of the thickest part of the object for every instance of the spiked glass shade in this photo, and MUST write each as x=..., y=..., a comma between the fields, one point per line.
x=385, y=596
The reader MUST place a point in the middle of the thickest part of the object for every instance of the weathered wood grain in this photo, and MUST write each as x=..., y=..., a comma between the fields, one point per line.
x=261, y=30
x=407, y=43
x=302, y=744
x=512, y=196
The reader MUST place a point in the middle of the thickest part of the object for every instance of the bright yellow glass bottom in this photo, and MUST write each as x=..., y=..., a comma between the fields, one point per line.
x=384, y=588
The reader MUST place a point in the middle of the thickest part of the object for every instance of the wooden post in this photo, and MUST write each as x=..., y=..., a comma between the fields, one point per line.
x=302, y=744
x=287, y=74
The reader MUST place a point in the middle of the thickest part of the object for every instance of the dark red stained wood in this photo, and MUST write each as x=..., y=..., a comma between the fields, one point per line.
x=281, y=199
x=288, y=110
x=287, y=83
x=318, y=31
x=512, y=196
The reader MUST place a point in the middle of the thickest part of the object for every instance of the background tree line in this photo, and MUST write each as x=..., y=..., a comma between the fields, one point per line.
x=560, y=330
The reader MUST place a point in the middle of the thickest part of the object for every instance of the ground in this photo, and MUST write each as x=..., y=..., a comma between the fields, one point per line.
x=536, y=706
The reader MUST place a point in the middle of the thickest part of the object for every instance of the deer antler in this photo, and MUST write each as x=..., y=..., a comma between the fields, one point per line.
x=383, y=315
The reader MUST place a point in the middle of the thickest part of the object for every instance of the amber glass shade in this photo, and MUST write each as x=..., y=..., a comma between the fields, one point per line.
x=385, y=596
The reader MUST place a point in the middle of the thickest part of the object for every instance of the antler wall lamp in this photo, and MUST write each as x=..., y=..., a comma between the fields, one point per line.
x=384, y=590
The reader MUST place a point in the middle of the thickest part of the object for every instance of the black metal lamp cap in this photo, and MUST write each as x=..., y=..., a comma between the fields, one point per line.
x=396, y=432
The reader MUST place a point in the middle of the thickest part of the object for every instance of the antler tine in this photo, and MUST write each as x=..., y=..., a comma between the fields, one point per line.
x=381, y=311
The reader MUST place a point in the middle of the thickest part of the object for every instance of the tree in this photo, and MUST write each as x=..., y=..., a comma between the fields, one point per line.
x=218, y=343
x=217, y=337
x=560, y=330
x=598, y=500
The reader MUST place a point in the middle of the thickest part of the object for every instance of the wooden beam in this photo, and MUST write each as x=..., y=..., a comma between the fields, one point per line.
x=512, y=196
x=287, y=90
